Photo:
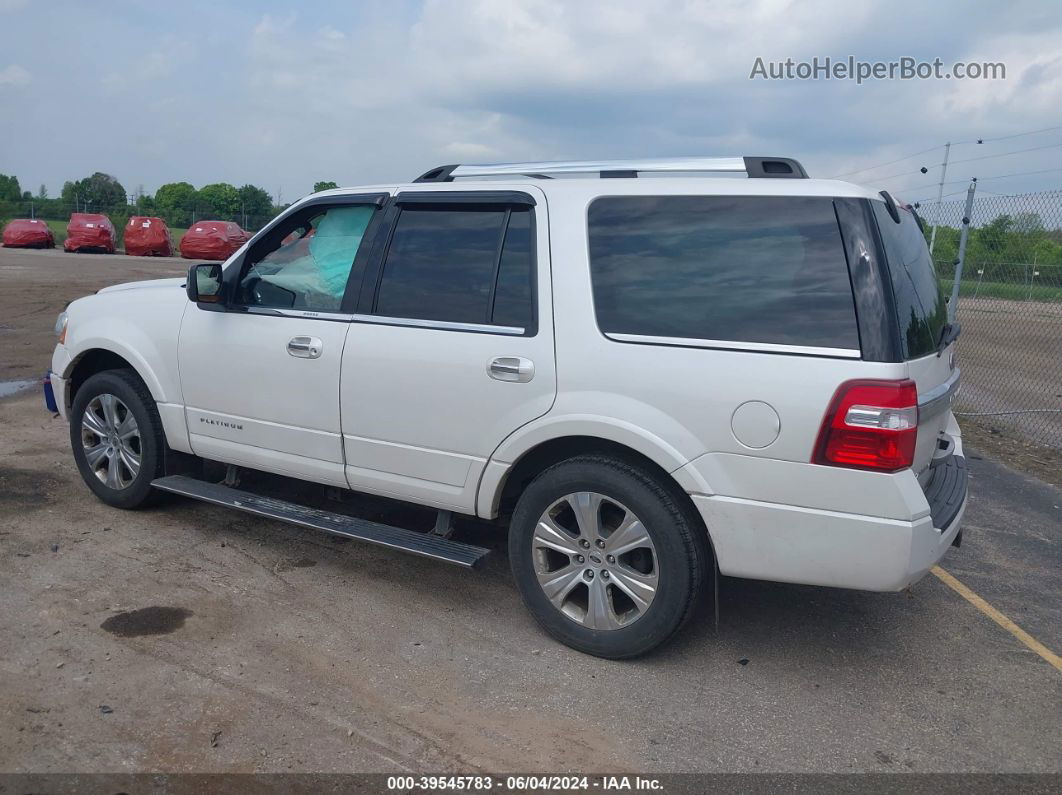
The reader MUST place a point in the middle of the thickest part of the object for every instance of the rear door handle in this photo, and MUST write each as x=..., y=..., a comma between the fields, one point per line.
x=305, y=347
x=511, y=368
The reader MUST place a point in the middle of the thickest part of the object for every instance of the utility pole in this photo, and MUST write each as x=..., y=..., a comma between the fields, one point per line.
x=967, y=215
x=940, y=195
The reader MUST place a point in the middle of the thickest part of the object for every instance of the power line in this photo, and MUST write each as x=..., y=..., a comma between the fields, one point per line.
x=1020, y=174
x=971, y=159
x=900, y=174
x=959, y=143
x=891, y=162
x=1004, y=154
x=1008, y=137
x=982, y=179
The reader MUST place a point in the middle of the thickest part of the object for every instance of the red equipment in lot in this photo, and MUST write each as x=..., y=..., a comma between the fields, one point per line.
x=147, y=236
x=28, y=233
x=90, y=232
x=212, y=240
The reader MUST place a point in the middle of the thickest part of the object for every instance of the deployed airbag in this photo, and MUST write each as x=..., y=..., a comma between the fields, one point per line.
x=319, y=279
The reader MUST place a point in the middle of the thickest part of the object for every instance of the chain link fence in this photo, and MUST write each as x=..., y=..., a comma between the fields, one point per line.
x=1010, y=308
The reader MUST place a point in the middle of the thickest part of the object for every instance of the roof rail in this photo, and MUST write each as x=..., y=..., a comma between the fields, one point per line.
x=754, y=167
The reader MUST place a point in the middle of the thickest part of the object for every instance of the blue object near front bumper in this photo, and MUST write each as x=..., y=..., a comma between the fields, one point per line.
x=49, y=395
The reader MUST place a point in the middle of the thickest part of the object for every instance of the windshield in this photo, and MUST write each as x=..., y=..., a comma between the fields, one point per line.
x=920, y=307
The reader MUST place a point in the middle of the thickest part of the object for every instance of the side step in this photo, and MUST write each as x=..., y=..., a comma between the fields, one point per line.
x=427, y=545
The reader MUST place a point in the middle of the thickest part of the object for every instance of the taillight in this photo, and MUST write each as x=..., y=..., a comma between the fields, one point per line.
x=870, y=425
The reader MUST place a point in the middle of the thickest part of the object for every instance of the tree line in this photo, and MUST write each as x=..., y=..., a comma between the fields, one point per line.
x=179, y=204
x=996, y=247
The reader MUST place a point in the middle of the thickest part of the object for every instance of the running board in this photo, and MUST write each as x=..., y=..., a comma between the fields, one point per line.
x=427, y=545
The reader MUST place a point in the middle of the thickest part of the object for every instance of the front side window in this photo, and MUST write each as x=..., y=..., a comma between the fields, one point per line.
x=459, y=264
x=920, y=307
x=309, y=264
x=750, y=269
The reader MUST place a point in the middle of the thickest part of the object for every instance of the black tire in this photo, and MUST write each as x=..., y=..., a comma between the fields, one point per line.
x=133, y=393
x=681, y=554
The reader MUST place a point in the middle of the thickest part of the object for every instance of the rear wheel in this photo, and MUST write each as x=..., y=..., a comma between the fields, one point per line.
x=605, y=557
x=116, y=437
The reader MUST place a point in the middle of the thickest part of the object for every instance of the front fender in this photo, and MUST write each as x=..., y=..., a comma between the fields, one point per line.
x=161, y=389
x=143, y=333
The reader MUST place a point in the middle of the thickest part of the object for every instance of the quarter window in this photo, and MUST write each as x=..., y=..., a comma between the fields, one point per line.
x=920, y=307
x=458, y=264
x=754, y=269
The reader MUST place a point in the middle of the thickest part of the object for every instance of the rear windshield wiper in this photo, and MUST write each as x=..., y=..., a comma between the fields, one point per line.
x=948, y=334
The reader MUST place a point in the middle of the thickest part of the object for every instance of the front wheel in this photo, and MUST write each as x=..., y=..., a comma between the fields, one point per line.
x=605, y=557
x=117, y=439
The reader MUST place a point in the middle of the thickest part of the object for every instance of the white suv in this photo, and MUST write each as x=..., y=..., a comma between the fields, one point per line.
x=656, y=371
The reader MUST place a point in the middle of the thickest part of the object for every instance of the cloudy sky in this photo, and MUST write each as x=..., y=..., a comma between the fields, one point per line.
x=360, y=92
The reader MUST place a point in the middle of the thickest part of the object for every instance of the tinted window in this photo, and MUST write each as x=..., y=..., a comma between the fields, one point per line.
x=450, y=264
x=309, y=264
x=738, y=268
x=920, y=306
x=512, y=297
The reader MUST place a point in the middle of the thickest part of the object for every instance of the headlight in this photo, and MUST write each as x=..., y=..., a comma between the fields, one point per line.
x=60, y=327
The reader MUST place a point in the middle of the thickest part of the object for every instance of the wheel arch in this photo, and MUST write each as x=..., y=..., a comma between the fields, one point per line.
x=539, y=442
x=503, y=484
x=98, y=359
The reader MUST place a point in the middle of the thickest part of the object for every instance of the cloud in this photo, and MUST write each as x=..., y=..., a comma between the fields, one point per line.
x=14, y=76
x=1034, y=78
x=381, y=92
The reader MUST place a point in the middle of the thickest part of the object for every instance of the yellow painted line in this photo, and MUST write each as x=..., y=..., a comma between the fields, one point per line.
x=998, y=617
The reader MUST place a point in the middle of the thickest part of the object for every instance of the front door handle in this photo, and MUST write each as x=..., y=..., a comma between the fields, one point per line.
x=511, y=368
x=305, y=347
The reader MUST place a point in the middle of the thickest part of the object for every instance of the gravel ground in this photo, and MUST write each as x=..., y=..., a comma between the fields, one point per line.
x=191, y=638
x=35, y=285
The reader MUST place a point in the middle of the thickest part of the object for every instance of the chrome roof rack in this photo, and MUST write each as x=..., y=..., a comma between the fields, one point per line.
x=754, y=167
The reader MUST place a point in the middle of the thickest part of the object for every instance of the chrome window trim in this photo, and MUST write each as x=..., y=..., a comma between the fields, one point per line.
x=383, y=320
x=439, y=325
x=304, y=314
x=733, y=345
x=939, y=398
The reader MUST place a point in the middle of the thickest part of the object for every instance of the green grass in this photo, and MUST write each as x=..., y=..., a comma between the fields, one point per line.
x=1014, y=291
x=59, y=230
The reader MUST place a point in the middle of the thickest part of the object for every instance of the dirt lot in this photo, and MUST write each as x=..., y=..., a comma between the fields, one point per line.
x=1009, y=355
x=267, y=648
x=36, y=285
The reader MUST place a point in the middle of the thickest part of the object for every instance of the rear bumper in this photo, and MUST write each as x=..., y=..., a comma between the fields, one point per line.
x=766, y=541
x=813, y=546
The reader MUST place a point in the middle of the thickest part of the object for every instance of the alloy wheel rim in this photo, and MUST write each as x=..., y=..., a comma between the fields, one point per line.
x=110, y=438
x=595, y=561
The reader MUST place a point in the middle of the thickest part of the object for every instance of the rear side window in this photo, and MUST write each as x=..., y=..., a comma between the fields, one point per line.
x=752, y=269
x=920, y=307
x=459, y=264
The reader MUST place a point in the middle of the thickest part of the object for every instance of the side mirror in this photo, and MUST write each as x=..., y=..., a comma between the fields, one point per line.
x=204, y=284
